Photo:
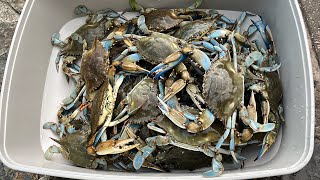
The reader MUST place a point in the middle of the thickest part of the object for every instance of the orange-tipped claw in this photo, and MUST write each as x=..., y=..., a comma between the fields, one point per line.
x=115, y=146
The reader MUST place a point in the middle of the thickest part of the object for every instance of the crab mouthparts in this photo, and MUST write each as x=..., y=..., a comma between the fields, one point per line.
x=115, y=146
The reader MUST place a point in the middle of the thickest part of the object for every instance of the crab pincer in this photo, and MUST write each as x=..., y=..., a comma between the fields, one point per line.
x=115, y=146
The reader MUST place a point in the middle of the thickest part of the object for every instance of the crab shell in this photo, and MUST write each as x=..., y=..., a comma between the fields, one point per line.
x=74, y=149
x=90, y=31
x=222, y=89
x=274, y=89
x=157, y=47
x=100, y=100
x=73, y=48
x=194, y=30
x=162, y=19
x=149, y=110
x=142, y=93
x=94, y=66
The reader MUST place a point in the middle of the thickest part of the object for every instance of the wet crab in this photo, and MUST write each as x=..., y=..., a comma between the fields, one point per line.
x=161, y=20
x=73, y=148
x=102, y=86
x=223, y=91
x=96, y=26
x=193, y=84
x=162, y=49
x=173, y=135
x=271, y=95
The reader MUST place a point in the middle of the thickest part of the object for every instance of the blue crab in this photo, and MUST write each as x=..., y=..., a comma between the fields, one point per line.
x=223, y=91
x=96, y=26
x=173, y=135
x=136, y=98
x=160, y=20
x=271, y=92
x=73, y=148
x=161, y=49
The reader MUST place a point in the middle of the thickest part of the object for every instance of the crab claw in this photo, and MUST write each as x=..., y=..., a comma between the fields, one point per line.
x=262, y=28
x=130, y=67
x=53, y=126
x=257, y=127
x=115, y=146
x=268, y=140
x=55, y=40
x=217, y=167
x=201, y=58
x=140, y=157
x=51, y=151
x=272, y=68
x=169, y=63
x=175, y=116
x=142, y=25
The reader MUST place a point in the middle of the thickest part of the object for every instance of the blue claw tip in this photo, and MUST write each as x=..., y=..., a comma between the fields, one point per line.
x=138, y=160
x=267, y=127
x=261, y=152
x=147, y=150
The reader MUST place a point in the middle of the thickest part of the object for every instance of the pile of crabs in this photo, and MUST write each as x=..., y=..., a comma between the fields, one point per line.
x=167, y=89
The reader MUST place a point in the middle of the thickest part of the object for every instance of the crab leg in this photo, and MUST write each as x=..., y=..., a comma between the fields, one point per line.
x=267, y=69
x=234, y=50
x=180, y=118
x=161, y=89
x=73, y=95
x=204, y=121
x=152, y=143
x=255, y=126
x=183, y=71
x=262, y=28
x=215, y=43
x=211, y=48
x=230, y=128
x=214, y=13
x=265, y=105
x=253, y=57
x=126, y=52
x=108, y=108
x=76, y=99
x=130, y=67
x=199, y=57
x=241, y=18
